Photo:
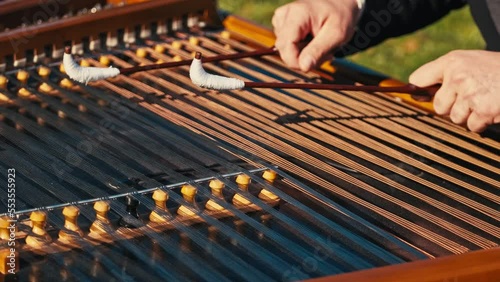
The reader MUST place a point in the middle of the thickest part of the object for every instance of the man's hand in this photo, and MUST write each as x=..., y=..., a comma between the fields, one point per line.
x=330, y=22
x=470, y=90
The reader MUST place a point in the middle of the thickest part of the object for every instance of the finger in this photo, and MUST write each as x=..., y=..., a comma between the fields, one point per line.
x=444, y=99
x=460, y=111
x=477, y=123
x=289, y=53
x=322, y=44
x=279, y=16
x=430, y=73
x=288, y=36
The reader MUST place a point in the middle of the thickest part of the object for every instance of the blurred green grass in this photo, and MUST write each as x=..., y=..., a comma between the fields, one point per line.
x=397, y=57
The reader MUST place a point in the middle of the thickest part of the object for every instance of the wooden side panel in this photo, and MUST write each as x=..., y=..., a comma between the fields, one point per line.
x=476, y=266
x=17, y=42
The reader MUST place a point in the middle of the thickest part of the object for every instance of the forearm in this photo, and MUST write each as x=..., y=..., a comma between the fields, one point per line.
x=382, y=19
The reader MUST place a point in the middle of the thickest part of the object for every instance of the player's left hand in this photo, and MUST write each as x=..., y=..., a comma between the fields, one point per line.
x=470, y=91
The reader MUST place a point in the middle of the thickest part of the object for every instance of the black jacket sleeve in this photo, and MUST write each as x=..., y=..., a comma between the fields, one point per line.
x=382, y=19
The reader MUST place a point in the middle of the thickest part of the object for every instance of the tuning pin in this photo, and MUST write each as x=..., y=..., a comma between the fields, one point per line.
x=9, y=264
x=4, y=100
x=66, y=83
x=4, y=228
x=216, y=185
x=23, y=93
x=131, y=218
x=84, y=63
x=225, y=34
x=194, y=41
x=266, y=195
x=160, y=214
x=43, y=71
x=159, y=48
x=188, y=193
x=177, y=58
x=141, y=53
x=3, y=81
x=243, y=181
x=8, y=259
x=38, y=237
x=101, y=226
x=177, y=45
x=61, y=68
x=22, y=76
x=82, y=108
x=71, y=231
x=40, y=121
x=61, y=114
x=45, y=88
x=104, y=60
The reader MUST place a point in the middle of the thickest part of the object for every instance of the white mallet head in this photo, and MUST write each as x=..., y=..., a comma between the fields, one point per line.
x=203, y=79
x=85, y=74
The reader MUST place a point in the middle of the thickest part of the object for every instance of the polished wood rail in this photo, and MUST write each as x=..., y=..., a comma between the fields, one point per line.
x=475, y=266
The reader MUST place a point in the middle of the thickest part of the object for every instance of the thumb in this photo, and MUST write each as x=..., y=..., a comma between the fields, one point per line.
x=324, y=42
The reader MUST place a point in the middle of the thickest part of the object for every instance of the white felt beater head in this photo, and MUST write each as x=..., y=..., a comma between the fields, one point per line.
x=86, y=74
x=203, y=79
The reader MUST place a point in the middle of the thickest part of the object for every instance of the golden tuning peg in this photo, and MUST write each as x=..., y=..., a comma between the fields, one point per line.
x=9, y=263
x=159, y=48
x=3, y=99
x=4, y=228
x=243, y=181
x=71, y=231
x=141, y=53
x=160, y=214
x=84, y=63
x=216, y=186
x=225, y=34
x=104, y=60
x=176, y=45
x=45, y=88
x=101, y=225
x=195, y=41
x=3, y=81
x=8, y=259
x=66, y=83
x=22, y=76
x=177, y=58
x=23, y=93
x=38, y=237
x=61, y=68
x=266, y=195
x=43, y=71
x=188, y=193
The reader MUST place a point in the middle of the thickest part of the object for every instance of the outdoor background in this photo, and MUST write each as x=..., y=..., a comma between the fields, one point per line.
x=396, y=57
